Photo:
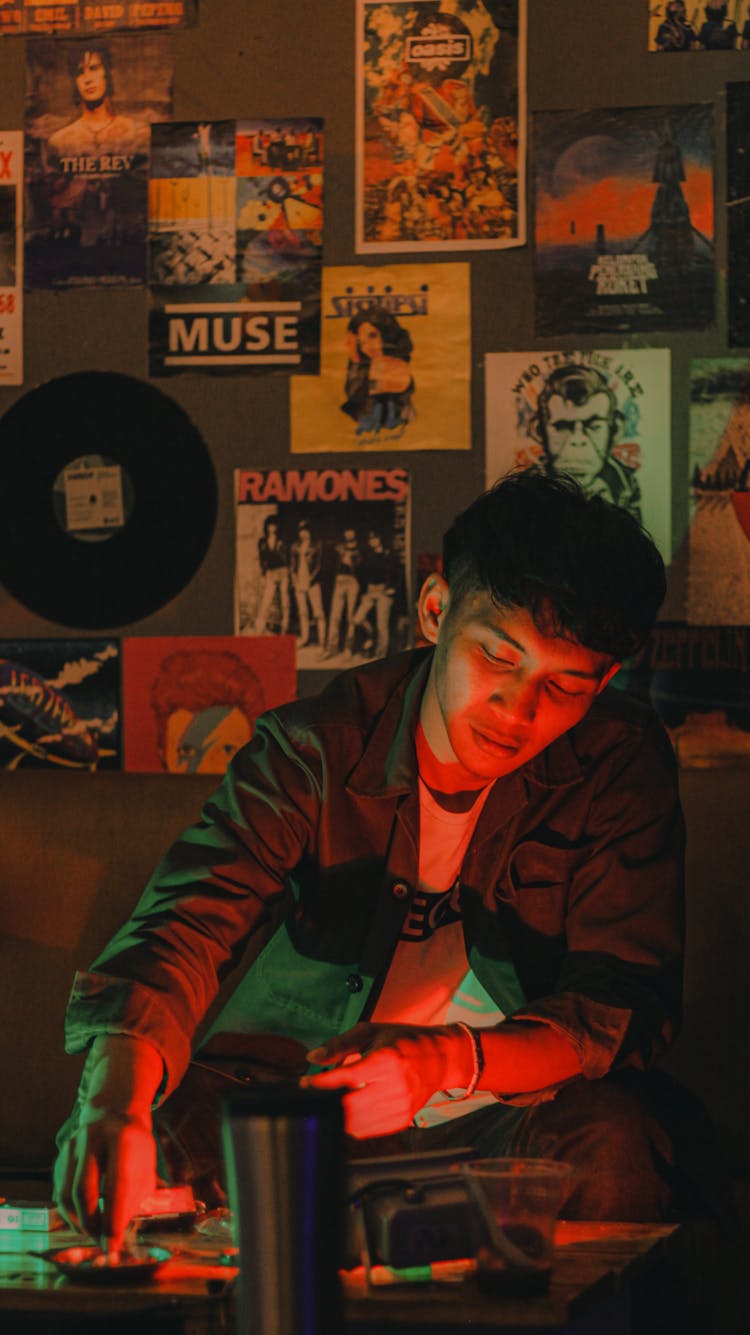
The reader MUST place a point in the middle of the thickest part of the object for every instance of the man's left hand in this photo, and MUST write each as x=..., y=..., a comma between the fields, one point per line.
x=390, y=1071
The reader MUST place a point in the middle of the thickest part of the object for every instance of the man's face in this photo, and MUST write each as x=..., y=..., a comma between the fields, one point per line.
x=500, y=690
x=91, y=79
x=204, y=742
x=578, y=436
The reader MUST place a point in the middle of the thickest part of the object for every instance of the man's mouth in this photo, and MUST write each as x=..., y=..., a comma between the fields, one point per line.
x=499, y=743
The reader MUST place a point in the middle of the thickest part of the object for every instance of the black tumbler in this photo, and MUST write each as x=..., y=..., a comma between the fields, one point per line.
x=284, y=1156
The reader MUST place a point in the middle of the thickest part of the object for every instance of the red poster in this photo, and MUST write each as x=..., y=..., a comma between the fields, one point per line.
x=191, y=701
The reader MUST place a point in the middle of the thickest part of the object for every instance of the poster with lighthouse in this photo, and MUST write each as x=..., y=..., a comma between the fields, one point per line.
x=624, y=219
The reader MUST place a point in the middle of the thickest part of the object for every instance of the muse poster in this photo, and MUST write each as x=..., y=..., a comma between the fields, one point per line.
x=324, y=554
x=11, y=257
x=699, y=687
x=623, y=219
x=89, y=108
x=71, y=17
x=602, y=417
x=441, y=112
x=190, y=702
x=738, y=215
x=718, y=578
x=395, y=362
x=682, y=25
x=59, y=704
x=236, y=238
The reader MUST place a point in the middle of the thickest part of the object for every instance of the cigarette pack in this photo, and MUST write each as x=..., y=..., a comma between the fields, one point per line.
x=30, y=1216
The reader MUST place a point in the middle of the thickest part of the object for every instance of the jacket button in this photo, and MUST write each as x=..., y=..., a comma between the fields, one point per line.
x=354, y=982
x=400, y=891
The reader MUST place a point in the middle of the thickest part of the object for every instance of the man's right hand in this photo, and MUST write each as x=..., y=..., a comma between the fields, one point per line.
x=108, y=1165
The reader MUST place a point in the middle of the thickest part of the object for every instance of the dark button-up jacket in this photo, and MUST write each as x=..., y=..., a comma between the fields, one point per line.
x=572, y=884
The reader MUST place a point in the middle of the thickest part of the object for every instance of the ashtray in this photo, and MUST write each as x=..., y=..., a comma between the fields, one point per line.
x=90, y=1264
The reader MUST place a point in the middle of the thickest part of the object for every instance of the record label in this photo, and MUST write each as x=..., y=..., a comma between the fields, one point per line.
x=108, y=503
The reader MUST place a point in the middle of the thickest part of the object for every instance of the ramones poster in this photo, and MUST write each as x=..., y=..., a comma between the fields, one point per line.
x=324, y=554
x=73, y=17
x=623, y=219
x=235, y=238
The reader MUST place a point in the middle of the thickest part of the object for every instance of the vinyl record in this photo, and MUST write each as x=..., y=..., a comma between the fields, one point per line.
x=108, y=499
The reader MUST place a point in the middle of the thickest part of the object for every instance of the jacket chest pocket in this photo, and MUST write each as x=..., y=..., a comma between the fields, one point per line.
x=535, y=885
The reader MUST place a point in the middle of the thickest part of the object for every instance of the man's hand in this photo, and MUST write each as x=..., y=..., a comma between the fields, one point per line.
x=111, y=1156
x=391, y=1070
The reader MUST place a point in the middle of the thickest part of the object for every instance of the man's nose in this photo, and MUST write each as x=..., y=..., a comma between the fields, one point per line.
x=578, y=434
x=519, y=698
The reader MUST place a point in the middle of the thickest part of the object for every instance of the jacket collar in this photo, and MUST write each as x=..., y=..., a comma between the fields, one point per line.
x=387, y=766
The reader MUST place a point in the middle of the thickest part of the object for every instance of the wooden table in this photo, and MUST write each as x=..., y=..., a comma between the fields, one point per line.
x=595, y=1266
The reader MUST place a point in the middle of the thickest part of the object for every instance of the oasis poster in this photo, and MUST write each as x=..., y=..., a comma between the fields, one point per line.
x=600, y=416
x=623, y=219
x=395, y=362
x=324, y=554
x=236, y=240
x=441, y=113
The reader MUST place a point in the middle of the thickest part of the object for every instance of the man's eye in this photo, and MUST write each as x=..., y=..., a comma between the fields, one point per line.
x=497, y=660
x=556, y=689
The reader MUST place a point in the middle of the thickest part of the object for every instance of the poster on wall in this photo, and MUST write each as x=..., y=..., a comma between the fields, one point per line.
x=89, y=108
x=599, y=416
x=395, y=362
x=72, y=17
x=235, y=242
x=11, y=257
x=190, y=702
x=440, y=133
x=59, y=704
x=623, y=219
x=738, y=215
x=683, y=25
x=718, y=581
x=699, y=688
x=324, y=554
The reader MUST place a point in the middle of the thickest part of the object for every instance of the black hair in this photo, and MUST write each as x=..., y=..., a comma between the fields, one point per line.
x=396, y=340
x=585, y=569
x=95, y=46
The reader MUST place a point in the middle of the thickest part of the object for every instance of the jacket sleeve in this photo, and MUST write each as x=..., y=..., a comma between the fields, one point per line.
x=618, y=993
x=214, y=888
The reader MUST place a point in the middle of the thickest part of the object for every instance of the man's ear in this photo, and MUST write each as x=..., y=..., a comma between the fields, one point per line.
x=609, y=674
x=432, y=605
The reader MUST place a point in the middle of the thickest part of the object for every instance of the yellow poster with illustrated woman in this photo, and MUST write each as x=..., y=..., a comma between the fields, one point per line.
x=395, y=362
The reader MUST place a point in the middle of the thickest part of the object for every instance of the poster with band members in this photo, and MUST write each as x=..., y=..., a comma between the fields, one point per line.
x=11, y=257
x=72, y=17
x=683, y=25
x=599, y=416
x=191, y=701
x=59, y=704
x=395, y=362
x=90, y=104
x=324, y=554
x=235, y=241
x=623, y=219
x=440, y=135
x=738, y=215
x=718, y=575
x=699, y=678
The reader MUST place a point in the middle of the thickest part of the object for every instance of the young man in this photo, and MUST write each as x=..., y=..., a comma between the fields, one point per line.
x=476, y=853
